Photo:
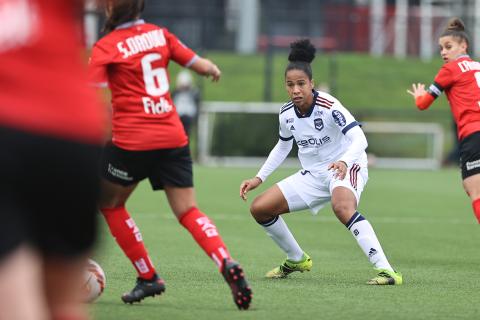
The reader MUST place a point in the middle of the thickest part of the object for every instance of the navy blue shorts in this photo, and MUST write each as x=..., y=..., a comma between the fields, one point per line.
x=49, y=189
x=162, y=167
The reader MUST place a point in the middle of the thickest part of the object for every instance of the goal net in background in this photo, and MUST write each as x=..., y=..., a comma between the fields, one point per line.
x=242, y=134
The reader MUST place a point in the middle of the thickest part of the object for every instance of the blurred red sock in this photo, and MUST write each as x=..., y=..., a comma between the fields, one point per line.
x=129, y=238
x=476, y=208
x=205, y=234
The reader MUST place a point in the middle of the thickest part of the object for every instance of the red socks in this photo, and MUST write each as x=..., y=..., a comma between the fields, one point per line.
x=476, y=208
x=205, y=234
x=129, y=238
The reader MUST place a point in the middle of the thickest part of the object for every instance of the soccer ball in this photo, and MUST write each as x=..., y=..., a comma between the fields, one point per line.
x=94, y=282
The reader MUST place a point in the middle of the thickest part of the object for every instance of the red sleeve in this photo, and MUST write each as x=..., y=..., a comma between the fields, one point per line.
x=97, y=66
x=444, y=77
x=423, y=102
x=181, y=54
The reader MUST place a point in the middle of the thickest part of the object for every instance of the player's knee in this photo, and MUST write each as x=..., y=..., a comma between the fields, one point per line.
x=110, y=201
x=259, y=210
x=342, y=209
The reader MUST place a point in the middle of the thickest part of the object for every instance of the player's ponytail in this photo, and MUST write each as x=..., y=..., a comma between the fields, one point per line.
x=121, y=11
x=456, y=28
x=302, y=53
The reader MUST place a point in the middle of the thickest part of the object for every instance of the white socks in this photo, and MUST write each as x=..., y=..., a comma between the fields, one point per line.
x=360, y=228
x=367, y=240
x=278, y=230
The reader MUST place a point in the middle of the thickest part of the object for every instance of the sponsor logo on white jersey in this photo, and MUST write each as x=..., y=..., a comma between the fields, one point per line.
x=339, y=118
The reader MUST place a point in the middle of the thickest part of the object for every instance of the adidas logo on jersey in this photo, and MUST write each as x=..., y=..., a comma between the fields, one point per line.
x=292, y=128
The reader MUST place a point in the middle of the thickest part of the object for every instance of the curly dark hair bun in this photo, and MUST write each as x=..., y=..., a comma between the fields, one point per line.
x=302, y=50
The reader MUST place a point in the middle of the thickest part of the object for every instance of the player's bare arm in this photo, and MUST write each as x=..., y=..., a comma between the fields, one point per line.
x=248, y=185
x=340, y=169
x=206, y=68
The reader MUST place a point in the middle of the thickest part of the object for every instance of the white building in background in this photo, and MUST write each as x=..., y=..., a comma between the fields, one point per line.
x=412, y=30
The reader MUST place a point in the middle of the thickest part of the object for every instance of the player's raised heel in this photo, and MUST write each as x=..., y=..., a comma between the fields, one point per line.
x=386, y=277
x=234, y=276
x=144, y=288
x=289, y=266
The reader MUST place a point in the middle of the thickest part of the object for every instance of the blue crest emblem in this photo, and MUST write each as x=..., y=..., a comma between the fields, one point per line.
x=318, y=124
x=339, y=118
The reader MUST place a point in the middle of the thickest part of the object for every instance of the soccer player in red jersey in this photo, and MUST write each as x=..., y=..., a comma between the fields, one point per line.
x=459, y=77
x=149, y=141
x=51, y=131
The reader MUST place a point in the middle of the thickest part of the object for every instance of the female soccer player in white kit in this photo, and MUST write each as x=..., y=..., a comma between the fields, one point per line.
x=331, y=150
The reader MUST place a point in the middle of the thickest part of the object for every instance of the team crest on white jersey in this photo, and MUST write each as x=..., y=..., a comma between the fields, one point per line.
x=318, y=124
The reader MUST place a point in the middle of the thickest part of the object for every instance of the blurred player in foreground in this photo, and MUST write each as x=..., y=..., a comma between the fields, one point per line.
x=51, y=130
x=331, y=149
x=148, y=141
x=459, y=77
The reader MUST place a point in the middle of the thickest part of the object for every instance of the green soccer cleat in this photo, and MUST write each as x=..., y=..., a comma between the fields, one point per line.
x=386, y=277
x=289, y=266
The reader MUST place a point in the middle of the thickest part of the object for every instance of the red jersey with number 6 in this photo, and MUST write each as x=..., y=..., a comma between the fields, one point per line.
x=461, y=81
x=132, y=60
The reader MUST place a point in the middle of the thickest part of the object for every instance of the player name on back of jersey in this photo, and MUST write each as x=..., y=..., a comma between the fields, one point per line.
x=141, y=43
x=467, y=65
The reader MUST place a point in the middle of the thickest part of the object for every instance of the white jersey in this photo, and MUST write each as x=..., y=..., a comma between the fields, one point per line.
x=320, y=133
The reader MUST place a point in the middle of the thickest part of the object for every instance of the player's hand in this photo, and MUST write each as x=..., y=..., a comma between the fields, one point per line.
x=417, y=90
x=340, y=169
x=214, y=72
x=248, y=185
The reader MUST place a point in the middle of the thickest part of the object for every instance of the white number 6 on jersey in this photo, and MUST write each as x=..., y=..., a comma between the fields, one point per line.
x=156, y=80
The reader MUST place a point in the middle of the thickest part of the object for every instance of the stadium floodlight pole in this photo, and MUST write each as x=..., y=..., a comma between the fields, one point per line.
x=377, y=27
x=269, y=56
x=476, y=28
x=333, y=72
x=246, y=40
x=426, y=29
x=401, y=26
x=91, y=23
